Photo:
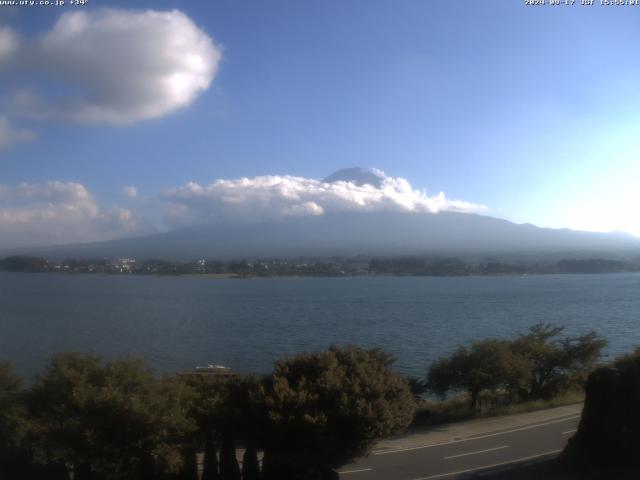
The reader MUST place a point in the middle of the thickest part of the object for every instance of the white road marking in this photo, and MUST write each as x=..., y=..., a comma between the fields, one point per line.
x=570, y=431
x=476, y=452
x=529, y=427
x=517, y=460
x=355, y=471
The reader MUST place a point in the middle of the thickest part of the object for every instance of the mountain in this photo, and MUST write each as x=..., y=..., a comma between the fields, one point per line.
x=353, y=233
x=357, y=175
x=375, y=234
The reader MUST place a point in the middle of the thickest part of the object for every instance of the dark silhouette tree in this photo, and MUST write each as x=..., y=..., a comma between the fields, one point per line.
x=608, y=435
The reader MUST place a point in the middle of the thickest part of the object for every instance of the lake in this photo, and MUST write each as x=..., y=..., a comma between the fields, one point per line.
x=175, y=323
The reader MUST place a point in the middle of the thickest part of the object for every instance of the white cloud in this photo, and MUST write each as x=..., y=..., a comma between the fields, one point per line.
x=9, y=135
x=8, y=43
x=273, y=197
x=116, y=66
x=33, y=214
x=130, y=191
x=51, y=213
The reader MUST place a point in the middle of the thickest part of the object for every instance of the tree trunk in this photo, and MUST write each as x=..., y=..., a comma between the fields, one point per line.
x=190, y=467
x=229, y=468
x=273, y=469
x=210, y=463
x=475, y=392
x=82, y=471
x=250, y=466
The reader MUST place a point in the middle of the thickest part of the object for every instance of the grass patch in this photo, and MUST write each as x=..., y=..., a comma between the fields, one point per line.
x=456, y=409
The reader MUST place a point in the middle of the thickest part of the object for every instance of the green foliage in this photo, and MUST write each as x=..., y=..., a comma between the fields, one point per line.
x=537, y=365
x=14, y=425
x=116, y=419
x=486, y=364
x=556, y=363
x=9, y=408
x=431, y=413
x=327, y=408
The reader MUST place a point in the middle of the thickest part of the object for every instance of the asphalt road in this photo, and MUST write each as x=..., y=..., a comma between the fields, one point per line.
x=459, y=458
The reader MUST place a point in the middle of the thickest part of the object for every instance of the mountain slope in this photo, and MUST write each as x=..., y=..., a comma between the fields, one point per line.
x=351, y=234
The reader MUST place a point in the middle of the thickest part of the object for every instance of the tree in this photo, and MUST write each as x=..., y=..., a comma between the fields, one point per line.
x=487, y=364
x=111, y=420
x=608, y=435
x=555, y=362
x=226, y=409
x=327, y=408
x=13, y=424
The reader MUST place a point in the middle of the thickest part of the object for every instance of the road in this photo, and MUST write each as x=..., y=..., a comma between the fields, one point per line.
x=462, y=457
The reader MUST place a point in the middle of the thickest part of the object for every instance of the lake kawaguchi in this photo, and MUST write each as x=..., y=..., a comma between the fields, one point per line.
x=175, y=323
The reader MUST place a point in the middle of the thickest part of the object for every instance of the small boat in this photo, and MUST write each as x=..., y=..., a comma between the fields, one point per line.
x=211, y=367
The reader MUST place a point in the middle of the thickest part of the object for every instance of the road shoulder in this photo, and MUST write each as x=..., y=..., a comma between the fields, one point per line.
x=417, y=438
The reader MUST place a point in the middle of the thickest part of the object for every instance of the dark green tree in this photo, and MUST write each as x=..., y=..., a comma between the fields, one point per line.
x=327, y=408
x=111, y=420
x=14, y=425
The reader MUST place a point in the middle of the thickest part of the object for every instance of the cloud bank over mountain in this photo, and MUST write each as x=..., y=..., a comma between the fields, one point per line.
x=111, y=66
x=66, y=212
x=279, y=196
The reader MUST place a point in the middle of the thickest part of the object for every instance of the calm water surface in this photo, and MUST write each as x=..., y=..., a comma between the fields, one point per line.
x=177, y=322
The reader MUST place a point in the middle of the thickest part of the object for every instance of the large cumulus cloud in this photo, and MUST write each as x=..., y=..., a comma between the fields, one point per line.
x=33, y=214
x=112, y=66
x=54, y=212
x=274, y=197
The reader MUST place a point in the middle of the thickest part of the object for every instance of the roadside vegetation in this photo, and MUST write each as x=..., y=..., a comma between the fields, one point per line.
x=116, y=420
x=541, y=368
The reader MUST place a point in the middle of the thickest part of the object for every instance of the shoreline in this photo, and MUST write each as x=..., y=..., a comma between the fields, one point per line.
x=379, y=275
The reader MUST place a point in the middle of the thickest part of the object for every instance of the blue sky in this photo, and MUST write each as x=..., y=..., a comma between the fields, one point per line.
x=529, y=111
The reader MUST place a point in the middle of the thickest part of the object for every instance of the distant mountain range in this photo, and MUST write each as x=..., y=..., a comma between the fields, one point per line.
x=347, y=234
